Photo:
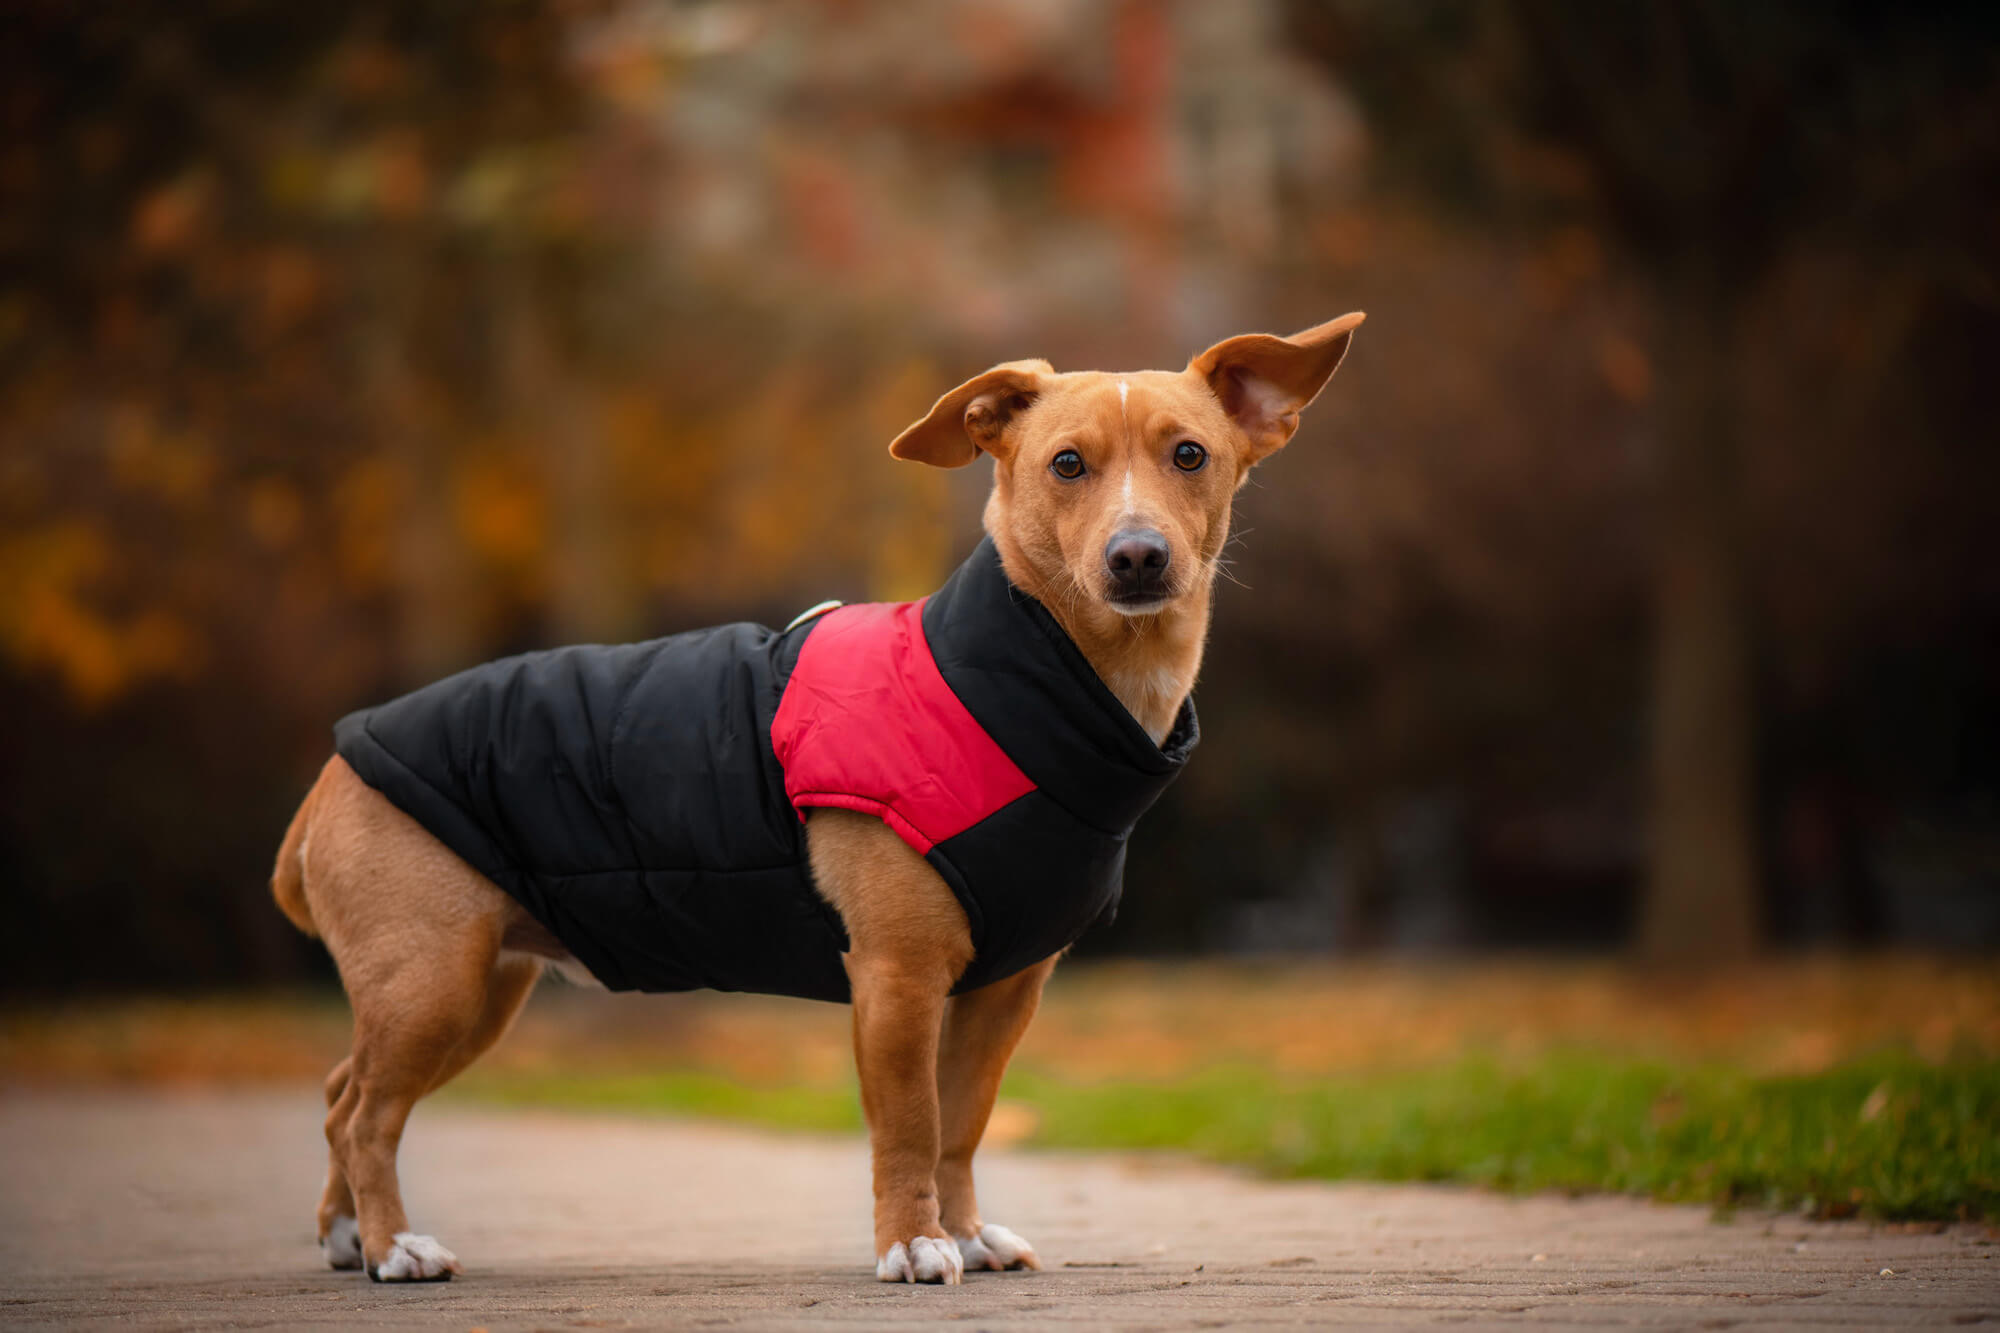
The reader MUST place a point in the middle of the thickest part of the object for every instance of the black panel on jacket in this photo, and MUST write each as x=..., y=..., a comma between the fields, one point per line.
x=1041, y=877
x=627, y=796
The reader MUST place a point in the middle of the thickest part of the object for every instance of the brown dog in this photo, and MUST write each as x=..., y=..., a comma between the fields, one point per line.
x=1110, y=507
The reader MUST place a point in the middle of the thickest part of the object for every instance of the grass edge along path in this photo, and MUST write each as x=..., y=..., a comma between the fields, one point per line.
x=1888, y=1136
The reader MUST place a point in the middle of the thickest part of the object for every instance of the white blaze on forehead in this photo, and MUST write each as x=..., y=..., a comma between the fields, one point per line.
x=1124, y=392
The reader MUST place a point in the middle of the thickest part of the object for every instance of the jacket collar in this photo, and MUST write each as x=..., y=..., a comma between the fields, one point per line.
x=1033, y=691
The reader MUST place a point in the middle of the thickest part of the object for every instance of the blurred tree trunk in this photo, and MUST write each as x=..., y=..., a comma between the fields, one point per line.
x=1701, y=891
x=590, y=596
x=1677, y=109
x=1360, y=926
x=435, y=635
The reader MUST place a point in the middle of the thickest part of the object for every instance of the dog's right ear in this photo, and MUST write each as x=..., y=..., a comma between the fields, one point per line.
x=974, y=416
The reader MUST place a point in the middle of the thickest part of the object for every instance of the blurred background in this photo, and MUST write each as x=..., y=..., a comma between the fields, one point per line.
x=1601, y=776
x=1632, y=590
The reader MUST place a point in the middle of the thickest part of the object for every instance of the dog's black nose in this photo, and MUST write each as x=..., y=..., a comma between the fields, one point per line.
x=1137, y=560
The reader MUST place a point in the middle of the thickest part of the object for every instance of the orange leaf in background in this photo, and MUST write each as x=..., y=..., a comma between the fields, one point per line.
x=631, y=78
x=158, y=643
x=666, y=467
x=365, y=505
x=502, y=513
x=366, y=70
x=176, y=467
x=1577, y=254
x=402, y=177
x=290, y=285
x=1625, y=367
x=1345, y=238
x=912, y=553
x=49, y=624
x=274, y=512
x=168, y=220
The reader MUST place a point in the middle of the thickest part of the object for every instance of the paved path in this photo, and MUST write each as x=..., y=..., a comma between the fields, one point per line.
x=147, y=1210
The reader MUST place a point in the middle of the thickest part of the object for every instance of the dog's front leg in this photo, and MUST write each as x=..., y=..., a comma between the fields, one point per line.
x=981, y=1030
x=908, y=943
x=896, y=1018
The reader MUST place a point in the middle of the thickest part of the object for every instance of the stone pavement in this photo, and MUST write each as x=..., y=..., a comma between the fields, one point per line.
x=150, y=1210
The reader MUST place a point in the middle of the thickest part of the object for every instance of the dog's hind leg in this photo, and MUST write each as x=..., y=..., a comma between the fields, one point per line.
x=405, y=1044
x=417, y=935
x=507, y=990
x=981, y=1030
x=339, y=1233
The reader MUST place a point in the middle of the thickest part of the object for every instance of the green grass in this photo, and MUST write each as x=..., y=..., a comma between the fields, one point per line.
x=791, y=1106
x=1888, y=1137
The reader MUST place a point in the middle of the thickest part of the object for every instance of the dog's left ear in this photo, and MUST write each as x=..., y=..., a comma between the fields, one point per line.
x=1265, y=381
x=974, y=416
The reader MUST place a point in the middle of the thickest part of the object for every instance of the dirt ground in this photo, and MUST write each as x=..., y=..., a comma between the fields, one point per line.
x=149, y=1209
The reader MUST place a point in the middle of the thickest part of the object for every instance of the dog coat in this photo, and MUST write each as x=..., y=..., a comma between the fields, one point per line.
x=646, y=802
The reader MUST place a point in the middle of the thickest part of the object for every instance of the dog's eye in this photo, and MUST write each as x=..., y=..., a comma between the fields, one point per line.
x=1068, y=465
x=1189, y=456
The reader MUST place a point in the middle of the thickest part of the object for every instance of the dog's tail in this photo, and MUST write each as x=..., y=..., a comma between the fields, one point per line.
x=288, y=876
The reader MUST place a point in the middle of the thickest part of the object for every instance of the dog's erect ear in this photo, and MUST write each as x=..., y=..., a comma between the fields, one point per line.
x=1265, y=381
x=972, y=417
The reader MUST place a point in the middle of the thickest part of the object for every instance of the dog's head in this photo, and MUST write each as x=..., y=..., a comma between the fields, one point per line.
x=1111, y=493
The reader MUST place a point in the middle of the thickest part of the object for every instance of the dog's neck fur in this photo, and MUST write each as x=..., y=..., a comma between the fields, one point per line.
x=1149, y=662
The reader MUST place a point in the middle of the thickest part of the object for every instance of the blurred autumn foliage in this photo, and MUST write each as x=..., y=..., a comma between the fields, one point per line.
x=343, y=346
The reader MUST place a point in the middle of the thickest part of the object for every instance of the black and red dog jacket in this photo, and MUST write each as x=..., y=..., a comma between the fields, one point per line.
x=646, y=801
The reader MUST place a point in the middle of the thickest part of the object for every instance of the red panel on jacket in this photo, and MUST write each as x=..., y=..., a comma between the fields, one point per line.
x=868, y=724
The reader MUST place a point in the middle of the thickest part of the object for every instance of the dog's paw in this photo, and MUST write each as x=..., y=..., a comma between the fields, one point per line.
x=415, y=1258
x=925, y=1259
x=342, y=1244
x=996, y=1248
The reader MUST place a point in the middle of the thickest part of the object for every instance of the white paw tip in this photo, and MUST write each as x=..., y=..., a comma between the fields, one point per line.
x=895, y=1265
x=415, y=1258
x=342, y=1244
x=996, y=1248
x=925, y=1259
